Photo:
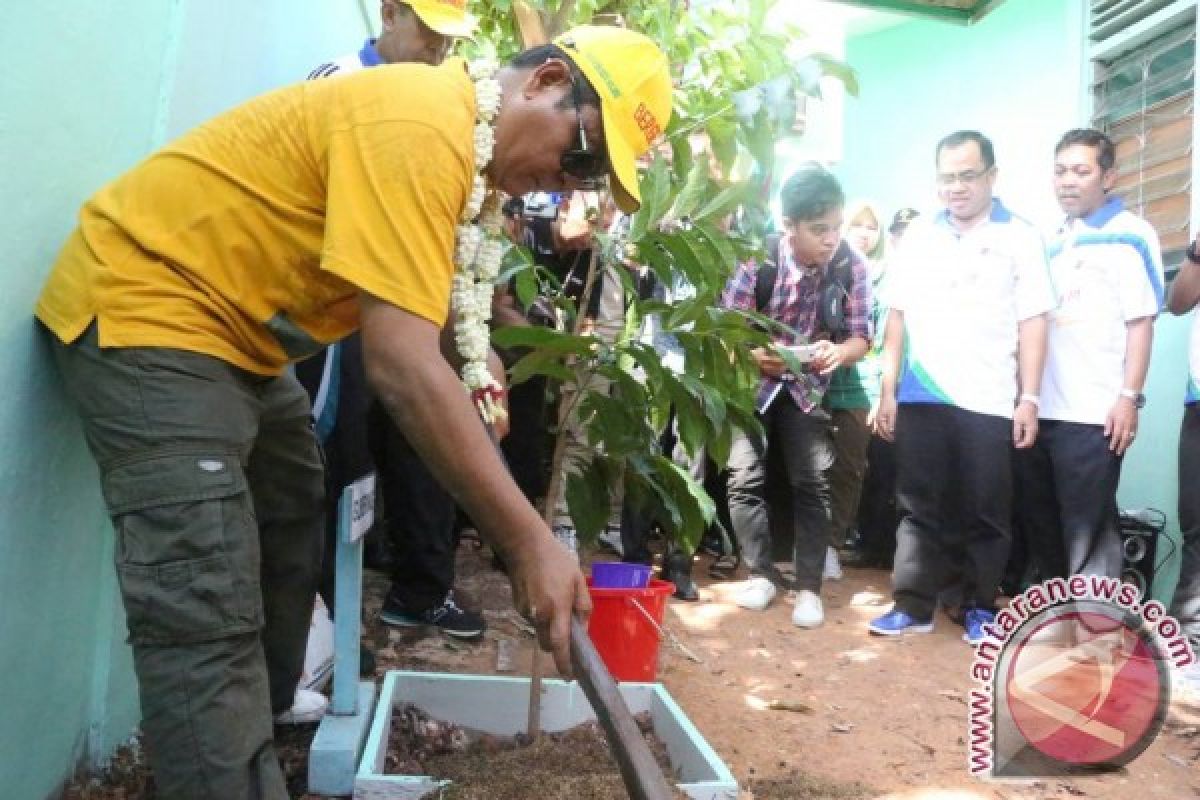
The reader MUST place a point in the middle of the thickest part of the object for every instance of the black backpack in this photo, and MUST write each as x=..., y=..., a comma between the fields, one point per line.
x=833, y=290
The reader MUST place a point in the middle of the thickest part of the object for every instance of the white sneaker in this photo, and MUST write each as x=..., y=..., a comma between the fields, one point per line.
x=756, y=595
x=833, y=568
x=1186, y=683
x=808, y=613
x=309, y=706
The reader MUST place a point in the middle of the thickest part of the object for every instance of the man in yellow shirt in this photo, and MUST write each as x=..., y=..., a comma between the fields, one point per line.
x=250, y=242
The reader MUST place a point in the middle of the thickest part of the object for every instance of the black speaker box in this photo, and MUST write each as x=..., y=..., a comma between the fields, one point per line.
x=1140, y=531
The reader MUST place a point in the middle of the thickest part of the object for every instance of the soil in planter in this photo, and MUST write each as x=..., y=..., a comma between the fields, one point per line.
x=572, y=765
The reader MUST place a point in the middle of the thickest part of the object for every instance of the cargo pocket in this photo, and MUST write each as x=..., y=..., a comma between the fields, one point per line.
x=187, y=546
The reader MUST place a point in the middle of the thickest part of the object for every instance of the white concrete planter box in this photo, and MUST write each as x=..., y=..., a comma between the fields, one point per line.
x=500, y=706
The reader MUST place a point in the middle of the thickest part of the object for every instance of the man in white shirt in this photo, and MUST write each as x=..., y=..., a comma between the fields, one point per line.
x=1184, y=296
x=969, y=295
x=1107, y=271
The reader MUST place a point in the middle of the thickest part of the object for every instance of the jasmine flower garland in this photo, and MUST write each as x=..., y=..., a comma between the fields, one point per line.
x=479, y=249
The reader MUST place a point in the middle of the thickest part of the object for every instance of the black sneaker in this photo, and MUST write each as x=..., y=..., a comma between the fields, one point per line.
x=448, y=617
x=677, y=568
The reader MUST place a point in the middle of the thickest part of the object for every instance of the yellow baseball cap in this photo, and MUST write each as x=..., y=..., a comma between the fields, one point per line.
x=447, y=17
x=630, y=74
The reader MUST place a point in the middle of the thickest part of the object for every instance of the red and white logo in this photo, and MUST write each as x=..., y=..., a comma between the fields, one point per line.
x=1075, y=674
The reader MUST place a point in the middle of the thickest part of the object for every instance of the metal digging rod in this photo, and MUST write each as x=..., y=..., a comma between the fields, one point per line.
x=643, y=779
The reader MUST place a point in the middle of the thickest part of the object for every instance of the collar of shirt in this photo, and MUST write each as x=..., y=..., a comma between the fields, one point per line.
x=998, y=213
x=369, y=56
x=787, y=256
x=1098, y=218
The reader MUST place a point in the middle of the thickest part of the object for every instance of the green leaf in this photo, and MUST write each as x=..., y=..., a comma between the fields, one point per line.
x=543, y=338
x=516, y=258
x=840, y=70
x=700, y=254
x=526, y=287
x=695, y=508
x=694, y=189
x=693, y=427
x=794, y=365
x=722, y=136
x=683, y=259
x=681, y=153
x=726, y=201
x=539, y=362
x=649, y=360
x=759, y=139
x=588, y=493
x=720, y=445
x=758, y=14
x=655, y=187
x=657, y=258
x=746, y=421
x=719, y=243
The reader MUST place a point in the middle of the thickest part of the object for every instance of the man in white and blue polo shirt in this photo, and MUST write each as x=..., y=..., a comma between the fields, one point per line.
x=1107, y=271
x=415, y=31
x=970, y=294
x=1184, y=297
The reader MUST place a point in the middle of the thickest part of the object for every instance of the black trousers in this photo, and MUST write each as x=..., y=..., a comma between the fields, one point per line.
x=420, y=518
x=952, y=464
x=877, y=515
x=1186, y=605
x=1067, y=483
x=347, y=455
x=525, y=446
x=805, y=443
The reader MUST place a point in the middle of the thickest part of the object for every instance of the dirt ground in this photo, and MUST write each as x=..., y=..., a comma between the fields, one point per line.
x=858, y=716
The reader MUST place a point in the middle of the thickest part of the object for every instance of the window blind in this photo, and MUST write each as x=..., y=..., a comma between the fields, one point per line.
x=1143, y=99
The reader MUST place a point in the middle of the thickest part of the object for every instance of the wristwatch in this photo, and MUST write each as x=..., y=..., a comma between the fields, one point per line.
x=1139, y=399
x=1191, y=253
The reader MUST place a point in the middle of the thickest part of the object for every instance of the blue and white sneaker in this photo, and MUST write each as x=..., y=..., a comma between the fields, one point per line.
x=974, y=621
x=898, y=623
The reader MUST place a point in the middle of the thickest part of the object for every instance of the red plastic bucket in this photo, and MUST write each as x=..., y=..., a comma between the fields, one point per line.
x=625, y=638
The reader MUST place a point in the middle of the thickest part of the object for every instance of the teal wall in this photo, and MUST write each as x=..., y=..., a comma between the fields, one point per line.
x=1018, y=76
x=100, y=83
x=1015, y=76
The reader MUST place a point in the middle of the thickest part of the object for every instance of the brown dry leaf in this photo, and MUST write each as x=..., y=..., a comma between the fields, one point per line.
x=789, y=705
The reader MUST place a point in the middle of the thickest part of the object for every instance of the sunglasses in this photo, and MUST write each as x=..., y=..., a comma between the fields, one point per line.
x=579, y=161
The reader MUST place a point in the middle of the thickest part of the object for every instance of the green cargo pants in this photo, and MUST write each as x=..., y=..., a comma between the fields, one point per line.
x=213, y=480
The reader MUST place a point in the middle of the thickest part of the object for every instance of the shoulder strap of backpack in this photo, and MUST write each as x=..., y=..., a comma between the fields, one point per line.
x=841, y=268
x=834, y=290
x=764, y=282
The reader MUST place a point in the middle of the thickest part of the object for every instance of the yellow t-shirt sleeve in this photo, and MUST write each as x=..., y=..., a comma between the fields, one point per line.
x=395, y=192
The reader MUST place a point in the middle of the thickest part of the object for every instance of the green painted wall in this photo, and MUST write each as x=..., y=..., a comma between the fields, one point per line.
x=1018, y=76
x=1015, y=76
x=99, y=84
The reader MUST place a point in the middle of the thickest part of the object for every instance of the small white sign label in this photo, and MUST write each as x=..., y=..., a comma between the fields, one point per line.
x=361, y=496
